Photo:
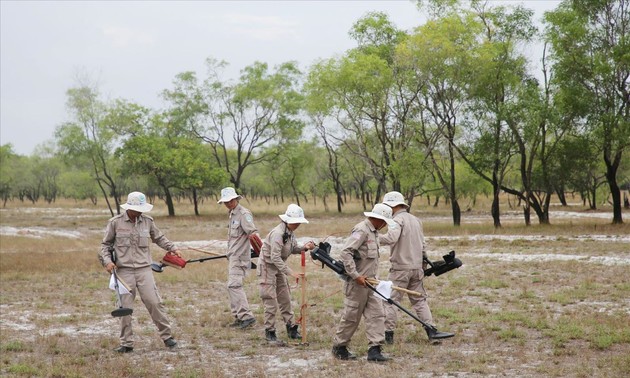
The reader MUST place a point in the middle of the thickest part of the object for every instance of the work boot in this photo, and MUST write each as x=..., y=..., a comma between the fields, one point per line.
x=236, y=324
x=247, y=323
x=434, y=334
x=292, y=331
x=341, y=353
x=374, y=354
x=270, y=335
x=123, y=349
x=389, y=337
x=170, y=343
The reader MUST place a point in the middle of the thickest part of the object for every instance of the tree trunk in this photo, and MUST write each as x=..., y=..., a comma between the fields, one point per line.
x=457, y=212
x=169, y=201
x=496, y=214
x=109, y=205
x=562, y=197
x=194, y=193
x=615, y=192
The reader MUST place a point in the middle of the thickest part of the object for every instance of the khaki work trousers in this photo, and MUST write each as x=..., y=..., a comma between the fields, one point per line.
x=141, y=281
x=275, y=293
x=237, y=270
x=411, y=280
x=360, y=301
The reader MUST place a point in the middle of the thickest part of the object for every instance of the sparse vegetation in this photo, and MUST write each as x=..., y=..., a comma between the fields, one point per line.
x=512, y=317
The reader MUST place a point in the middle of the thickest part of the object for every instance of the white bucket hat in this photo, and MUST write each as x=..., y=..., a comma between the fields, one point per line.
x=137, y=201
x=228, y=194
x=393, y=199
x=381, y=211
x=294, y=214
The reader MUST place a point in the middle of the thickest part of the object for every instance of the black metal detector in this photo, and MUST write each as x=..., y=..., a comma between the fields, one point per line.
x=449, y=263
x=426, y=325
x=120, y=311
x=322, y=253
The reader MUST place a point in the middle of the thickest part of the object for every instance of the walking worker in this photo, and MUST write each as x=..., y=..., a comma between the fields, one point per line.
x=129, y=235
x=360, y=258
x=408, y=248
x=241, y=226
x=273, y=269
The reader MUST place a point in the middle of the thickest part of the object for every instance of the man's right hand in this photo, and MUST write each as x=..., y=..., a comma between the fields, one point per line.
x=361, y=281
x=110, y=267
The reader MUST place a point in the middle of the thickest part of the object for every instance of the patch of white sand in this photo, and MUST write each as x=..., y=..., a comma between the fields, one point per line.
x=38, y=232
x=604, y=260
x=543, y=238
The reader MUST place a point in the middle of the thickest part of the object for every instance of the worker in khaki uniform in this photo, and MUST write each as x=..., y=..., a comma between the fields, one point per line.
x=360, y=258
x=273, y=270
x=129, y=234
x=240, y=227
x=407, y=245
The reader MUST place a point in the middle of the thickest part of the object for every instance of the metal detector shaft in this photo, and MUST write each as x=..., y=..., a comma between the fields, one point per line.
x=117, y=287
x=252, y=265
x=391, y=301
x=202, y=259
x=120, y=311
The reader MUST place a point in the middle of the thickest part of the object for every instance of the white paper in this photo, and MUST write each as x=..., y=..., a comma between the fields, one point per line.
x=121, y=287
x=385, y=288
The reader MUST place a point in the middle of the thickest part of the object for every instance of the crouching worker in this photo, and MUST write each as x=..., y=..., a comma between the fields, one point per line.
x=273, y=269
x=360, y=258
x=129, y=234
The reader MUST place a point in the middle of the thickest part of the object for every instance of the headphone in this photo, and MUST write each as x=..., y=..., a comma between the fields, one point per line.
x=285, y=235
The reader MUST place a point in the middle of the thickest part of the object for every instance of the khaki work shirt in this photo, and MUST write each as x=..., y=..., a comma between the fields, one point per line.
x=361, y=251
x=276, y=252
x=240, y=227
x=406, y=241
x=131, y=241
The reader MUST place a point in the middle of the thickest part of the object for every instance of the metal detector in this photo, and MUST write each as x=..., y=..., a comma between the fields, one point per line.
x=159, y=268
x=120, y=311
x=322, y=253
x=391, y=301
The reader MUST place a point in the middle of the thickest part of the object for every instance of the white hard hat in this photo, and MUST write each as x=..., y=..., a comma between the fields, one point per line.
x=228, y=194
x=294, y=214
x=381, y=211
x=393, y=199
x=137, y=201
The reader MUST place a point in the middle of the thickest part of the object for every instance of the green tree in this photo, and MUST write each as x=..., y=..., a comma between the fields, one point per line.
x=260, y=109
x=590, y=42
x=8, y=174
x=170, y=161
x=320, y=109
x=294, y=165
x=88, y=139
x=438, y=58
x=78, y=184
x=499, y=76
x=366, y=106
x=46, y=169
x=27, y=184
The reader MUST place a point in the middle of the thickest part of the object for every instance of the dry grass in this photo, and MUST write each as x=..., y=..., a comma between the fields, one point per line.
x=512, y=318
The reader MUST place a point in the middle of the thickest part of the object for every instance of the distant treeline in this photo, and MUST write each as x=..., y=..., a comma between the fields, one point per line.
x=451, y=110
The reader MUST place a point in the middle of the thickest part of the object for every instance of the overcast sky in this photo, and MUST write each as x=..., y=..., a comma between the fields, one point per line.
x=134, y=49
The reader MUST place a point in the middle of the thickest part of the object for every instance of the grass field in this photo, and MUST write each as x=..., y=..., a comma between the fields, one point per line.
x=534, y=301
